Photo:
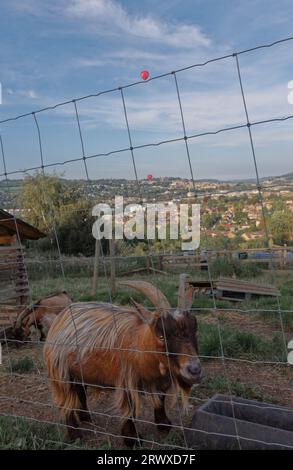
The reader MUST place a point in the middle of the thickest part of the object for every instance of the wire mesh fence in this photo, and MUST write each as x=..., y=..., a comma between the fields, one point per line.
x=99, y=350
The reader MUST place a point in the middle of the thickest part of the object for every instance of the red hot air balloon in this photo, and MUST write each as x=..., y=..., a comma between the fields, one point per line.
x=149, y=177
x=144, y=74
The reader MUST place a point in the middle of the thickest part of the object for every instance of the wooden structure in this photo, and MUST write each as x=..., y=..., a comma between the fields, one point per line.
x=279, y=257
x=233, y=289
x=14, y=288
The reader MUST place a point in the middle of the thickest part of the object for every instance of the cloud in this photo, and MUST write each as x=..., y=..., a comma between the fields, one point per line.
x=91, y=62
x=108, y=14
x=32, y=94
x=154, y=115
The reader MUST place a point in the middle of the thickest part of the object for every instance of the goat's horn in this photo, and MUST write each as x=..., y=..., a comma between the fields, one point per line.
x=155, y=296
x=22, y=316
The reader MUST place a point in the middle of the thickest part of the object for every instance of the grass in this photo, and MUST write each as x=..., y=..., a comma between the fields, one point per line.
x=22, y=434
x=223, y=267
x=285, y=303
x=80, y=290
x=239, y=344
x=219, y=384
x=24, y=365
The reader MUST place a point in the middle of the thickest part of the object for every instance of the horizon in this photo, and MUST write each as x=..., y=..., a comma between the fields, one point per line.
x=235, y=180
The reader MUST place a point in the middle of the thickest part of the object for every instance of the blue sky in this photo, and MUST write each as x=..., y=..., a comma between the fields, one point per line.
x=58, y=50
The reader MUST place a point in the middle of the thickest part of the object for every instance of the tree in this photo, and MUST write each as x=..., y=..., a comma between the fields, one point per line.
x=61, y=211
x=44, y=200
x=281, y=226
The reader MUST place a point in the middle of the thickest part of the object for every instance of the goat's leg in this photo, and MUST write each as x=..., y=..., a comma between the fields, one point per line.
x=129, y=431
x=83, y=413
x=161, y=419
x=42, y=334
x=130, y=434
x=72, y=426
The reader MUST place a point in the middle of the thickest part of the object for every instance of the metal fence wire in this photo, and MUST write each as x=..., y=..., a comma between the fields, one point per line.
x=27, y=398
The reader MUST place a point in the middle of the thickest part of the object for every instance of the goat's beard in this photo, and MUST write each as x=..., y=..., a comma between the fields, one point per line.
x=181, y=389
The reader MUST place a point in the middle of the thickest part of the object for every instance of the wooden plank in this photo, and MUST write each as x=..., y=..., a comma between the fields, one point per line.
x=14, y=297
x=10, y=249
x=224, y=286
x=231, y=299
x=178, y=265
x=246, y=287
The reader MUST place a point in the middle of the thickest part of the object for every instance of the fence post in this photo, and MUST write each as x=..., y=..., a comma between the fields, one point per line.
x=96, y=268
x=284, y=256
x=160, y=263
x=148, y=264
x=112, y=267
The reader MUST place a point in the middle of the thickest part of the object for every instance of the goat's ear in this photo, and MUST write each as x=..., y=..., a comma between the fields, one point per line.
x=157, y=326
x=141, y=310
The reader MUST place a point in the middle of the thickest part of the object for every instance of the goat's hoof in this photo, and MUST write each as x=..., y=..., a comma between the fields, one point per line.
x=133, y=441
x=164, y=427
x=74, y=435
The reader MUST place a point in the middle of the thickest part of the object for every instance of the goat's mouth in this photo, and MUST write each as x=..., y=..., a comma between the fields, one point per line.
x=191, y=379
x=191, y=374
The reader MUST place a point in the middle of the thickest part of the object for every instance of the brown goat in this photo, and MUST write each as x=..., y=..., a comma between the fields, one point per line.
x=128, y=349
x=41, y=315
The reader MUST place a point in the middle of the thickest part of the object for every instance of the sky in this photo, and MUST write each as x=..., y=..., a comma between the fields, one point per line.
x=58, y=50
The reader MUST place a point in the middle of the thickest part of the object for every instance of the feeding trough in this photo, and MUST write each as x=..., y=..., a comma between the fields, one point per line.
x=227, y=423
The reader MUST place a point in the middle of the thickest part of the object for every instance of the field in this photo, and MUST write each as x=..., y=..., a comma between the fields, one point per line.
x=252, y=364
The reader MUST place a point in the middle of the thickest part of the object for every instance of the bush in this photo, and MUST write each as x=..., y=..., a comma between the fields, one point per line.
x=23, y=365
x=224, y=267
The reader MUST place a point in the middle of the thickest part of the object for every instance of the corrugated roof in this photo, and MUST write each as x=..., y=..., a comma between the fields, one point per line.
x=10, y=225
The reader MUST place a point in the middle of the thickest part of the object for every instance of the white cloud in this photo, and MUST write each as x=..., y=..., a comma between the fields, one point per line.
x=91, y=62
x=155, y=116
x=32, y=94
x=109, y=14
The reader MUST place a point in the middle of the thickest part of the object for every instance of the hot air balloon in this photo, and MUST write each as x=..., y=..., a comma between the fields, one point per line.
x=144, y=74
x=149, y=177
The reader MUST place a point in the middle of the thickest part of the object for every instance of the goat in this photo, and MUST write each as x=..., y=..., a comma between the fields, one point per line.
x=129, y=349
x=41, y=315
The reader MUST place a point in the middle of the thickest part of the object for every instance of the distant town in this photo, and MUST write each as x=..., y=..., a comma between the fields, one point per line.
x=231, y=211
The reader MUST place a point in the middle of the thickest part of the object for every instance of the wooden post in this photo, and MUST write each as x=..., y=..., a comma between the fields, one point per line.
x=148, y=265
x=96, y=268
x=160, y=263
x=284, y=256
x=230, y=257
x=112, y=267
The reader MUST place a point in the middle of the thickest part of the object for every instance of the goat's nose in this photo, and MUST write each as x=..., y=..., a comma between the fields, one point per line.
x=194, y=369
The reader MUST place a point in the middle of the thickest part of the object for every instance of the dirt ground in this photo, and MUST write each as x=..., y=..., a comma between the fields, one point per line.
x=28, y=395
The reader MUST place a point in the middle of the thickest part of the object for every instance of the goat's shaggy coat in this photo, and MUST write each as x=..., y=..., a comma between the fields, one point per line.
x=105, y=345
x=41, y=315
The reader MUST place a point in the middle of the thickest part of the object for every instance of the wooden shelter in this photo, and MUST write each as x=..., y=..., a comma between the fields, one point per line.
x=233, y=289
x=14, y=287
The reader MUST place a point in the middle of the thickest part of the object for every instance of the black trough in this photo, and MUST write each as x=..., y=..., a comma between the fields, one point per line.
x=216, y=424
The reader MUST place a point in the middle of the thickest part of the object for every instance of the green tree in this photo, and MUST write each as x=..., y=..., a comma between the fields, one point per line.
x=44, y=200
x=281, y=226
x=59, y=209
